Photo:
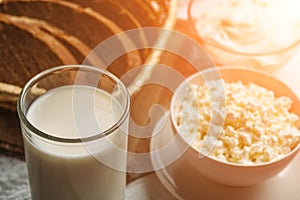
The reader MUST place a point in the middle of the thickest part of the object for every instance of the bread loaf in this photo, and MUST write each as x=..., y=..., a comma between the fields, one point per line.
x=37, y=34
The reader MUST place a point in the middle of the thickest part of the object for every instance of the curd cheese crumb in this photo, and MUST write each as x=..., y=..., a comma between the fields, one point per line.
x=258, y=127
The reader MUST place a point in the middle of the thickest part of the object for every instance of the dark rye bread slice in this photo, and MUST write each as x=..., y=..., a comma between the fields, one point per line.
x=72, y=18
x=23, y=46
x=83, y=23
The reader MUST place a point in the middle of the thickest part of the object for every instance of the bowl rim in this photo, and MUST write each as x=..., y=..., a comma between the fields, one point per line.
x=191, y=23
x=182, y=85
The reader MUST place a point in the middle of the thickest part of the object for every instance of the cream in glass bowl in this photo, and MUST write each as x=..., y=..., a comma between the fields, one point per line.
x=256, y=33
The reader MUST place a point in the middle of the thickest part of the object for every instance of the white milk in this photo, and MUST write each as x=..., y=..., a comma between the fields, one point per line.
x=70, y=172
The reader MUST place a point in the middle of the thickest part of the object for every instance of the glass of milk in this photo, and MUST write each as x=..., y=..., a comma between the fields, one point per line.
x=74, y=121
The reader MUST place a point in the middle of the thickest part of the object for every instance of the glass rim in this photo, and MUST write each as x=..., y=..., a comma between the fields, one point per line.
x=77, y=67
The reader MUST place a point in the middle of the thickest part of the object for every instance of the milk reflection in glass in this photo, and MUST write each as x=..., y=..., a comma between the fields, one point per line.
x=79, y=170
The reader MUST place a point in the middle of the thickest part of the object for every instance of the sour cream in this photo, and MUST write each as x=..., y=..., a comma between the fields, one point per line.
x=250, y=26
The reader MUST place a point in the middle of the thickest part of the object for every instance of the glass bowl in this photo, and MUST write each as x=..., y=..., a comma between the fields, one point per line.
x=243, y=33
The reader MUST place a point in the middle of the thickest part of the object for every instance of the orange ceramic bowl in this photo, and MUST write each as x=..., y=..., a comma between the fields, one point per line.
x=224, y=172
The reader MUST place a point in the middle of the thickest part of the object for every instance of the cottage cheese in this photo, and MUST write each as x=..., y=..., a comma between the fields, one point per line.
x=258, y=127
